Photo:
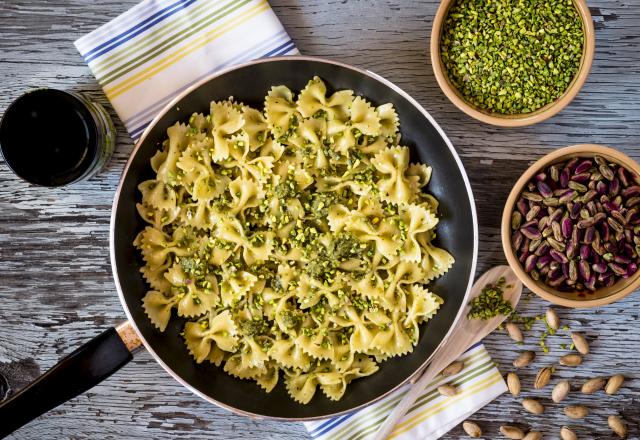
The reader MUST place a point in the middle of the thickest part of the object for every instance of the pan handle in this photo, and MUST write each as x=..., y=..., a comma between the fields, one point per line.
x=86, y=367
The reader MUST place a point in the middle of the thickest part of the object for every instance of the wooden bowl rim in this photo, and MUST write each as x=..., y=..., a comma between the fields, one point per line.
x=523, y=119
x=613, y=293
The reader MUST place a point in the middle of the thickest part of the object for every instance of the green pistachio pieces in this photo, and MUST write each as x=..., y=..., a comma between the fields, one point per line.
x=511, y=57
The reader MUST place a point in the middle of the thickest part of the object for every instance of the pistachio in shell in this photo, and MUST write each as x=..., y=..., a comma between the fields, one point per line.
x=447, y=390
x=472, y=429
x=513, y=383
x=560, y=391
x=618, y=426
x=524, y=359
x=580, y=342
x=567, y=434
x=593, y=385
x=571, y=360
x=576, y=411
x=512, y=432
x=533, y=435
x=542, y=378
x=453, y=368
x=614, y=383
x=533, y=406
x=514, y=332
x=552, y=319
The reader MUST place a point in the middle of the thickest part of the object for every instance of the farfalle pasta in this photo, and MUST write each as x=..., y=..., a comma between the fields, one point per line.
x=295, y=242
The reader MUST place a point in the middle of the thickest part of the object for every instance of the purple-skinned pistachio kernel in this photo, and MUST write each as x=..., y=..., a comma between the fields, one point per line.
x=571, y=164
x=631, y=191
x=585, y=251
x=522, y=206
x=633, y=201
x=565, y=270
x=632, y=268
x=614, y=187
x=573, y=270
x=555, y=282
x=575, y=211
x=629, y=251
x=585, y=223
x=602, y=188
x=628, y=235
x=531, y=232
x=622, y=175
x=516, y=239
x=545, y=190
x=583, y=166
x=599, y=217
x=567, y=227
x=564, y=178
x=543, y=249
x=584, y=269
x=621, y=259
x=567, y=197
x=543, y=261
x=523, y=256
x=604, y=276
x=589, y=235
x=599, y=267
x=541, y=177
x=558, y=256
x=530, y=263
x=581, y=177
x=605, y=232
x=591, y=283
x=618, y=269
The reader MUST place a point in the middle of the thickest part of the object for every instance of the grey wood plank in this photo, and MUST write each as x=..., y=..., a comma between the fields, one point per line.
x=56, y=288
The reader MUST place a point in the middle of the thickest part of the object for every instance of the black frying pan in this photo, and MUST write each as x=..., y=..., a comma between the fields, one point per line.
x=249, y=83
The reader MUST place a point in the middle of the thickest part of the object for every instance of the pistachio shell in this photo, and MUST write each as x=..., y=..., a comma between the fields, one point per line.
x=618, y=426
x=512, y=432
x=472, y=429
x=593, y=385
x=533, y=406
x=453, y=368
x=513, y=383
x=567, y=434
x=571, y=360
x=580, y=342
x=560, y=391
x=447, y=390
x=614, y=383
x=552, y=319
x=576, y=411
x=514, y=332
x=533, y=435
x=524, y=359
x=542, y=378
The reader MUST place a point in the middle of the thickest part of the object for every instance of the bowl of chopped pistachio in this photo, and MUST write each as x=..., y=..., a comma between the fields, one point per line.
x=510, y=63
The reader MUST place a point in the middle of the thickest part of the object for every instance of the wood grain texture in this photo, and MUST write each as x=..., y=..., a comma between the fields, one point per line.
x=55, y=282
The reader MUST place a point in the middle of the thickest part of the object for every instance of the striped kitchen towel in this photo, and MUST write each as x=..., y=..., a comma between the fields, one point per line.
x=433, y=415
x=158, y=48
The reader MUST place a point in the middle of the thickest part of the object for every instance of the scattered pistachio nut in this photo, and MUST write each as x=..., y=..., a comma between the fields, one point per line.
x=567, y=434
x=618, y=426
x=512, y=432
x=576, y=411
x=472, y=429
x=513, y=383
x=580, y=342
x=524, y=359
x=453, y=368
x=560, y=391
x=552, y=319
x=514, y=332
x=593, y=385
x=571, y=360
x=533, y=406
x=533, y=435
x=447, y=390
x=542, y=378
x=614, y=383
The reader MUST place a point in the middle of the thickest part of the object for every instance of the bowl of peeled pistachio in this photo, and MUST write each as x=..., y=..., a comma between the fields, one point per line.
x=512, y=63
x=571, y=226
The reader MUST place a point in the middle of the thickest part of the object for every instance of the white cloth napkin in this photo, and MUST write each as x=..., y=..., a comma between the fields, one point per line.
x=158, y=48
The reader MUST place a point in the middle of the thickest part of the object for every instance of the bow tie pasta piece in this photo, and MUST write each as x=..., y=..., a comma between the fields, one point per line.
x=226, y=119
x=295, y=239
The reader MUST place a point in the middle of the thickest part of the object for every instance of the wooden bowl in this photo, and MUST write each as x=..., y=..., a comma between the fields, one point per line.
x=569, y=299
x=515, y=120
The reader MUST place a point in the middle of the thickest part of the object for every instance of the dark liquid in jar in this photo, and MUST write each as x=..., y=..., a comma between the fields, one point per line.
x=48, y=137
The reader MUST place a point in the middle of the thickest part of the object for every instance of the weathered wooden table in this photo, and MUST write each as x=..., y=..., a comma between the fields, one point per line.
x=56, y=289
